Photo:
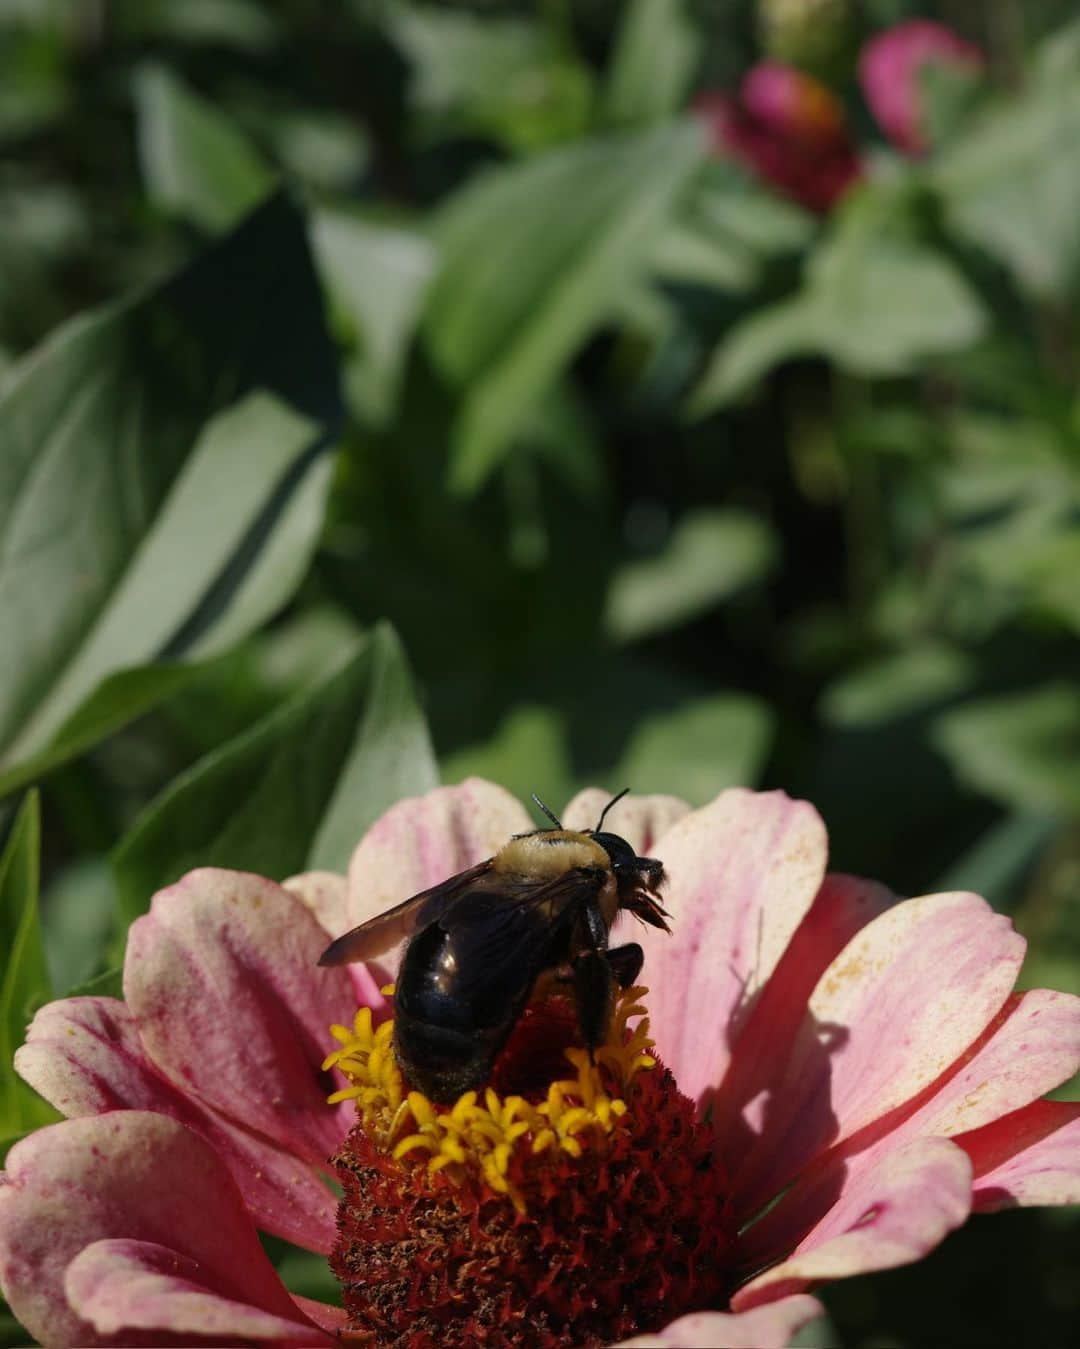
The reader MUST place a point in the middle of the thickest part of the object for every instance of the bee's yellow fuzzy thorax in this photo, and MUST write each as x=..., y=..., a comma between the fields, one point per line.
x=481, y=1136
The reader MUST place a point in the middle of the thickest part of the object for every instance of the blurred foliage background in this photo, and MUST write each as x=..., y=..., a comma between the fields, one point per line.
x=397, y=390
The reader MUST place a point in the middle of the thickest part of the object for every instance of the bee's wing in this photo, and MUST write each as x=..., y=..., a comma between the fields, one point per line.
x=387, y=929
x=500, y=930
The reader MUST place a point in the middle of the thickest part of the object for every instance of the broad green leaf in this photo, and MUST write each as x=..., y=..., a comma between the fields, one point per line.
x=997, y=863
x=1022, y=749
x=77, y=911
x=710, y=555
x=115, y=702
x=656, y=53
x=528, y=751
x=535, y=257
x=897, y=685
x=199, y=499
x=875, y=302
x=295, y=791
x=25, y=984
x=194, y=161
x=501, y=76
x=377, y=276
x=1011, y=184
x=244, y=24
x=699, y=748
x=107, y=985
x=691, y=255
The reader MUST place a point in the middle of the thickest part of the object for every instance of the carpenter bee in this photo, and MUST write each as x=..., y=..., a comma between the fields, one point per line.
x=479, y=944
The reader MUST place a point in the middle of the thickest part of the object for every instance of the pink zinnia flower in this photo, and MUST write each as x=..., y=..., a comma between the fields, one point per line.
x=857, y=1062
x=890, y=67
x=789, y=129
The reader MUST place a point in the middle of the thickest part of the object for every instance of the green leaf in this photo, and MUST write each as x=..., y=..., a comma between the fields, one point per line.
x=25, y=983
x=506, y=77
x=656, y=53
x=199, y=500
x=1023, y=749
x=535, y=257
x=874, y=301
x=528, y=751
x=699, y=748
x=897, y=685
x=77, y=912
x=999, y=860
x=377, y=276
x=110, y=984
x=295, y=791
x=710, y=555
x=1011, y=184
x=194, y=161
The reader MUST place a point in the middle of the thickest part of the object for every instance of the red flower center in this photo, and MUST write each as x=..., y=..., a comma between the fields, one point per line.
x=564, y=1210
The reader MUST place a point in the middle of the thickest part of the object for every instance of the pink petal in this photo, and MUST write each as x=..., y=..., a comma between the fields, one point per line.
x=641, y=820
x=742, y=872
x=122, y=1285
x=841, y=908
x=890, y=70
x=425, y=839
x=84, y=1056
x=222, y=980
x=767, y=1327
x=1030, y=1157
x=1031, y=1047
x=326, y=895
x=134, y=1175
x=907, y=996
x=888, y=1215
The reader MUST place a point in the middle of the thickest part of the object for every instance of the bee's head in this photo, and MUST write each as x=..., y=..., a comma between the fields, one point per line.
x=626, y=862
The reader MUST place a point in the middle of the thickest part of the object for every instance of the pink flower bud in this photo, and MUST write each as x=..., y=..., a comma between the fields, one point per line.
x=789, y=129
x=889, y=70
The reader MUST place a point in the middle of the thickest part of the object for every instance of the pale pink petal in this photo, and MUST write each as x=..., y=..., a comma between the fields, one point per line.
x=907, y=996
x=222, y=979
x=766, y=1327
x=423, y=840
x=326, y=895
x=1028, y=1158
x=887, y=1215
x=1031, y=1047
x=84, y=1056
x=128, y=1174
x=121, y=1285
x=841, y=908
x=641, y=820
x=742, y=872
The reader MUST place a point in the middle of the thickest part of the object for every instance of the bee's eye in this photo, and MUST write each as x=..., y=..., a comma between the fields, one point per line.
x=621, y=854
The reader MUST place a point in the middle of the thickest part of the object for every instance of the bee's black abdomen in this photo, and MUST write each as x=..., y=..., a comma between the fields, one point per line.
x=441, y=1062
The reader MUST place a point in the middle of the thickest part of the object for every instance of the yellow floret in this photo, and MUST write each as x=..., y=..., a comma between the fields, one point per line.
x=578, y=1112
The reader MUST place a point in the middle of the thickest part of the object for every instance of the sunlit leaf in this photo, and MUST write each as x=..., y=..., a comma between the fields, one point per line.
x=1022, y=749
x=377, y=276
x=534, y=258
x=198, y=501
x=710, y=555
x=897, y=685
x=194, y=160
x=25, y=984
x=657, y=49
x=295, y=791
x=697, y=749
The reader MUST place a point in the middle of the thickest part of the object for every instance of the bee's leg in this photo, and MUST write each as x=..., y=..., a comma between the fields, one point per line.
x=594, y=992
x=626, y=962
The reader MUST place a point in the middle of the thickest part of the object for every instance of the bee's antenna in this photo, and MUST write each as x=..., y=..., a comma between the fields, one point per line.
x=614, y=801
x=556, y=822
